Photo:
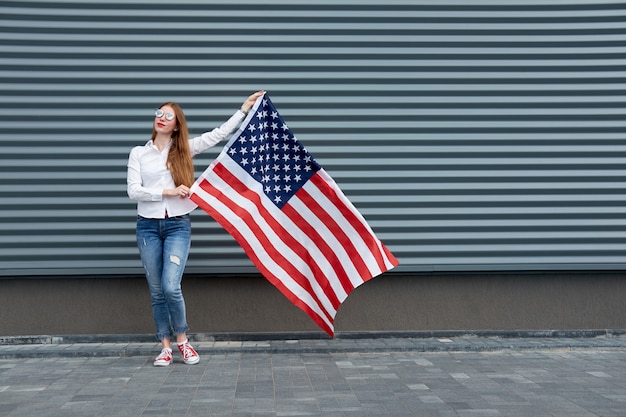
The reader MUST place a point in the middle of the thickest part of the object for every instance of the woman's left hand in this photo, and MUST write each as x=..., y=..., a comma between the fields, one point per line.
x=247, y=105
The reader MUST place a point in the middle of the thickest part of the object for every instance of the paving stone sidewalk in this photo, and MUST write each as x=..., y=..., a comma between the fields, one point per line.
x=386, y=376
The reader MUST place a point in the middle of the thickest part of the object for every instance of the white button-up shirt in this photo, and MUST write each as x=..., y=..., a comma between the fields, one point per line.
x=148, y=175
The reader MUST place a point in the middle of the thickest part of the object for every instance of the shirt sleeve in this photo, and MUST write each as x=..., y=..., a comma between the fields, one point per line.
x=134, y=184
x=209, y=139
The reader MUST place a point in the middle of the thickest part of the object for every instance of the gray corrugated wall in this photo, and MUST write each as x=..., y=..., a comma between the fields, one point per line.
x=471, y=134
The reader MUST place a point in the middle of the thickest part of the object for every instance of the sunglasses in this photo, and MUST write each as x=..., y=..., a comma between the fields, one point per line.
x=160, y=113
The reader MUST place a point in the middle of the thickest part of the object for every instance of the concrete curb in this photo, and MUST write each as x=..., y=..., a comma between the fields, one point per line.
x=127, y=346
x=212, y=337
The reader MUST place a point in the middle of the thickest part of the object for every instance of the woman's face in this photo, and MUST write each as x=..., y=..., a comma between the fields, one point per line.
x=165, y=120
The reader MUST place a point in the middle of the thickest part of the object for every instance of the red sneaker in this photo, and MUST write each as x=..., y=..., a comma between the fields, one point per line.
x=190, y=356
x=164, y=358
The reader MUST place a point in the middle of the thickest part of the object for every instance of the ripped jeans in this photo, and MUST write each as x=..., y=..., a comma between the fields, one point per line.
x=164, y=247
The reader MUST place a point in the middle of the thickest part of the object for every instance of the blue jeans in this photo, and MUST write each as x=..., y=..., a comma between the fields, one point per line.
x=164, y=247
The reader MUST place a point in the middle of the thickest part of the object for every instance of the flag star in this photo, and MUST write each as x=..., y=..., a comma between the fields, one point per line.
x=244, y=161
x=243, y=151
x=277, y=199
x=265, y=178
x=274, y=126
x=268, y=189
x=251, y=127
x=276, y=178
x=275, y=136
x=287, y=188
x=297, y=178
x=232, y=151
x=287, y=168
x=307, y=158
x=275, y=157
x=284, y=126
x=286, y=136
x=285, y=146
x=297, y=168
x=253, y=171
x=254, y=150
x=274, y=115
x=307, y=168
x=253, y=138
x=277, y=188
x=275, y=146
x=286, y=157
x=287, y=178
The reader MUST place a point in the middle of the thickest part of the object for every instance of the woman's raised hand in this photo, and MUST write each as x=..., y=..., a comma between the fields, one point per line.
x=247, y=105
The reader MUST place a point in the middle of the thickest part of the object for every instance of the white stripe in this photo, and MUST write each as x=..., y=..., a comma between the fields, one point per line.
x=260, y=252
x=317, y=255
x=336, y=246
x=300, y=264
x=361, y=248
x=329, y=180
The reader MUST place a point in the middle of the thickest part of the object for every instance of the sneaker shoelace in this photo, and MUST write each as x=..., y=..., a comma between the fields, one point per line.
x=165, y=354
x=187, y=350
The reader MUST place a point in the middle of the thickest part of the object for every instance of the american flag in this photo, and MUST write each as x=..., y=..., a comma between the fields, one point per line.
x=290, y=217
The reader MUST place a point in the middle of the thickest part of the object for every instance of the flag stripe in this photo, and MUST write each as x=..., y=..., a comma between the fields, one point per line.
x=336, y=265
x=311, y=272
x=254, y=249
x=328, y=187
x=317, y=219
x=324, y=190
x=259, y=247
x=329, y=221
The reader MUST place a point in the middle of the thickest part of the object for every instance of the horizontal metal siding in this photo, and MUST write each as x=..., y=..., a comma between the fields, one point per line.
x=470, y=134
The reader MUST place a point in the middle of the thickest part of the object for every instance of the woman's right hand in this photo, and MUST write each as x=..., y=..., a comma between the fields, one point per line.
x=181, y=191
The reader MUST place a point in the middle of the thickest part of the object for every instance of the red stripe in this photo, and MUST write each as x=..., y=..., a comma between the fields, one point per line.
x=313, y=234
x=221, y=171
x=337, y=231
x=394, y=261
x=273, y=279
x=318, y=275
x=357, y=223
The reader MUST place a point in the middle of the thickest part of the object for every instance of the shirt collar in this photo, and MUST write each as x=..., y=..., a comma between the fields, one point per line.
x=150, y=144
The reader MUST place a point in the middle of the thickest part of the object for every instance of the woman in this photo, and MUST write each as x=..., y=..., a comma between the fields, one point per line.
x=160, y=174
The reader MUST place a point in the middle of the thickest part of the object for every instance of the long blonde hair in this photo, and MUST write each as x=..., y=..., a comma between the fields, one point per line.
x=179, y=161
